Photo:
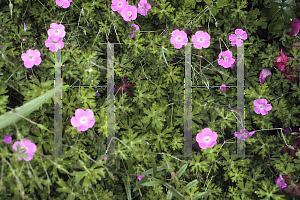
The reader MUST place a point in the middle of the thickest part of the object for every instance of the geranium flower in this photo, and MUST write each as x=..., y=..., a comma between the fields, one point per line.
x=281, y=183
x=236, y=39
x=243, y=134
x=263, y=75
x=31, y=57
x=63, y=3
x=261, y=106
x=26, y=145
x=281, y=61
x=118, y=5
x=296, y=27
x=293, y=186
x=225, y=59
x=56, y=31
x=124, y=87
x=54, y=45
x=7, y=139
x=206, y=138
x=143, y=7
x=292, y=152
x=129, y=13
x=136, y=29
x=83, y=119
x=25, y=28
x=140, y=177
x=223, y=88
x=201, y=39
x=178, y=39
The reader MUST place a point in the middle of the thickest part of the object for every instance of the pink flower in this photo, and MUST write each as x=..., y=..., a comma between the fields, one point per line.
x=296, y=27
x=56, y=31
x=263, y=75
x=7, y=139
x=178, y=39
x=233, y=65
x=236, y=39
x=281, y=183
x=31, y=57
x=26, y=145
x=83, y=119
x=207, y=138
x=140, y=177
x=223, y=88
x=24, y=39
x=118, y=5
x=63, y=3
x=261, y=106
x=143, y=7
x=129, y=13
x=25, y=27
x=281, y=61
x=54, y=45
x=225, y=59
x=136, y=28
x=201, y=39
x=243, y=134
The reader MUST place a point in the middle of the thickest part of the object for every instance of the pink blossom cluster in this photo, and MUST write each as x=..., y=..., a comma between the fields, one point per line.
x=63, y=3
x=202, y=40
x=129, y=12
x=208, y=138
x=55, y=39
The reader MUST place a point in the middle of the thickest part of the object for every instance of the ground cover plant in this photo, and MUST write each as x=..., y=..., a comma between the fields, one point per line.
x=149, y=69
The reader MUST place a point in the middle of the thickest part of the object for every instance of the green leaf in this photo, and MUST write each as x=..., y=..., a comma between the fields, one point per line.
x=199, y=195
x=174, y=191
x=153, y=165
x=182, y=170
x=128, y=192
x=190, y=185
x=156, y=114
x=8, y=118
x=268, y=190
x=153, y=183
x=222, y=3
x=169, y=195
x=139, y=184
x=295, y=133
x=150, y=171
